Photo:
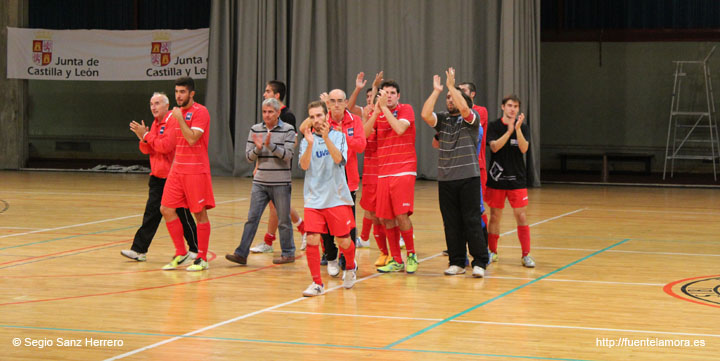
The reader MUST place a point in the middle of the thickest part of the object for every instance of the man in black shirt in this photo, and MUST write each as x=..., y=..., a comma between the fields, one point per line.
x=509, y=140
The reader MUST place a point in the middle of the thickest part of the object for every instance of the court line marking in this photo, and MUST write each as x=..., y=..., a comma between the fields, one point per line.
x=94, y=222
x=652, y=211
x=144, y=288
x=501, y=323
x=621, y=251
x=293, y=343
x=291, y=301
x=420, y=332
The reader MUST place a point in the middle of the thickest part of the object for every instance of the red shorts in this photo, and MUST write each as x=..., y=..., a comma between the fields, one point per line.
x=339, y=220
x=483, y=181
x=495, y=198
x=395, y=196
x=192, y=191
x=368, y=200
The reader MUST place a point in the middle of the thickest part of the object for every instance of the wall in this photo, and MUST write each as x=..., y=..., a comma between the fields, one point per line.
x=13, y=121
x=616, y=96
x=89, y=120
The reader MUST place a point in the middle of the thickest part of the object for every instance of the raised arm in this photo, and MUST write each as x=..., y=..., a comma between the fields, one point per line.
x=191, y=135
x=359, y=85
x=306, y=152
x=523, y=144
x=398, y=126
x=427, y=109
x=457, y=97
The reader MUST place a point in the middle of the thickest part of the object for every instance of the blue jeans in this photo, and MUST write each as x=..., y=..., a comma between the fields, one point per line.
x=260, y=196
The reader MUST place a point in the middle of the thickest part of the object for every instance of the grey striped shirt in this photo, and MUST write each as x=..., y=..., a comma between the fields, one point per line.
x=275, y=159
x=458, y=158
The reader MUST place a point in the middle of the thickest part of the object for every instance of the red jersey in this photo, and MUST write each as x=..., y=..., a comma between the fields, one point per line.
x=193, y=159
x=396, y=153
x=159, y=143
x=482, y=111
x=352, y=126
x=370, y=165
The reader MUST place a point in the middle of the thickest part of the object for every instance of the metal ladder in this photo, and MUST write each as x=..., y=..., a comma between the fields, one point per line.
x=683, y=124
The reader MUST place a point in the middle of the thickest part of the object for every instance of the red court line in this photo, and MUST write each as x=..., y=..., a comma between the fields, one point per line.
x=668, y=289
x=143, y=289
x=210, y=259
x=63, y=252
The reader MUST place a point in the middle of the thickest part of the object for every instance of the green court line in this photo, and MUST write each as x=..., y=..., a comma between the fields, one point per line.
x=439, y=323
x=293, y=343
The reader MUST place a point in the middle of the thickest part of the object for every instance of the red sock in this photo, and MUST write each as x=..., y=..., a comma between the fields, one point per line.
x=380, y=237
x=269, y=238
x=313, y=260
x=485, y=219
x=409, y=241
x=176, y=233
x=493, y=242
x=524, y=237
x=301, y=227
x=349, y=256
x=367, y=224
x=393, y=238
x=203, y=230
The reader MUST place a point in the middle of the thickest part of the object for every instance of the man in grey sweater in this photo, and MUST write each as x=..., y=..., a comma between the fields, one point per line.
x=270, y=143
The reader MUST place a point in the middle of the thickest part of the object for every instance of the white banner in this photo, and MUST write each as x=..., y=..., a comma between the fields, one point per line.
x=107, y=54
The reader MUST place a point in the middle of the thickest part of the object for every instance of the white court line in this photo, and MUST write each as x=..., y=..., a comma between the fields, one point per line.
x=95, y=222
x=621, y=251
x=283, y=304
x=79, y=193
x=504, y=323
x=652, y=211
x=546, y=220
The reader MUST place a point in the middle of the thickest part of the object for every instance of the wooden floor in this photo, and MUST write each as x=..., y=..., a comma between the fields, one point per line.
x=623, y=273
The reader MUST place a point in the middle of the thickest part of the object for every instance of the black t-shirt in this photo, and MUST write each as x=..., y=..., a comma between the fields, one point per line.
x=507, y=165
x=287, y=117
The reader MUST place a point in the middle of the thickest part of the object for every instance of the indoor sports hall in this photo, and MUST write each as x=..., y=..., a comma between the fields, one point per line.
x=621, y=176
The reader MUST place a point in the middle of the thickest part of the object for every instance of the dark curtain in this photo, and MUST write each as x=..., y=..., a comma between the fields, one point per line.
x=119, y=14
x=315, y=46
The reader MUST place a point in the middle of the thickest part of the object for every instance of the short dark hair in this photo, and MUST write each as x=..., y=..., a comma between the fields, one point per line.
x=467, y=98
x=390, y=83
x=470, y=86
x=512, y=97
x=318, y=104
x=368, y=91
x=186, y=81
x=278, y=87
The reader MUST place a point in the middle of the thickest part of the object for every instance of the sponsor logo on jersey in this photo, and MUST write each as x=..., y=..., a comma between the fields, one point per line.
x=162, y=129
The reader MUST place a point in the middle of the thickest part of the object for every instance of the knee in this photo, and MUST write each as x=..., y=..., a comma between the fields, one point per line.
x=166, y=212
x=313, y=239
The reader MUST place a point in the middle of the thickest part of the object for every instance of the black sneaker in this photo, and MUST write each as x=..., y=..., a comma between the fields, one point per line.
x=341, y=261
x=323, y=260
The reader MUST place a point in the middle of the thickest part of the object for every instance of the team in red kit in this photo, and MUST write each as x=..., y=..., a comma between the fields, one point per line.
x=335, y=132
